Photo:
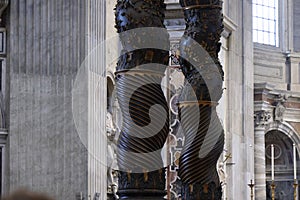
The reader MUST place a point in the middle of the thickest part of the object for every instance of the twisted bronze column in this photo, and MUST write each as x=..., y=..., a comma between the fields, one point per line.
x=145, y=126
x=204, y=137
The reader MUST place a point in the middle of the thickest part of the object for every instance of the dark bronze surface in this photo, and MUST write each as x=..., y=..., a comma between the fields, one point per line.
x=198, y=173
x=141, y=175
x=204, y=130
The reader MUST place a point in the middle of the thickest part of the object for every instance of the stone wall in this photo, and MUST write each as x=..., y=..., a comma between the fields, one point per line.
x=47, y=42
x=239, y=119
x=279, y=65
x=270, y=66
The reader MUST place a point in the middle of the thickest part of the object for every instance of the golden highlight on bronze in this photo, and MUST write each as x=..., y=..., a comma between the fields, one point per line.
x=204, y=137
x=138, y=78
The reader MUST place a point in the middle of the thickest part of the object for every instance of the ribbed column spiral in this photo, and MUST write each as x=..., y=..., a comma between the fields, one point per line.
x=145, y=124
x=204, y=135
x=204, y=141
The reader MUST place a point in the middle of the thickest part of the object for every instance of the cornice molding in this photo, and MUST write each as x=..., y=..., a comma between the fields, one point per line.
x=262, y=106
x=229, y=26
x=291, y=115
x=270, y=91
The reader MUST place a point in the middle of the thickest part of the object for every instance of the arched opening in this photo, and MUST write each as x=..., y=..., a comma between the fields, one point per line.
x=283, y=164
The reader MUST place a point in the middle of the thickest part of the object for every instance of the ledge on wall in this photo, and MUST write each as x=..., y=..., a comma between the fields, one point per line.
x=229, y=26
x=3, y=136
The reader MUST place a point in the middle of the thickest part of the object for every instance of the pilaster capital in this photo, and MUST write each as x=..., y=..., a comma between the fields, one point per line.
x=262, y=118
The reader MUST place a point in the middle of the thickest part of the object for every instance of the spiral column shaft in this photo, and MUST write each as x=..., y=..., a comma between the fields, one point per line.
x=144, y=108
x=204, y=135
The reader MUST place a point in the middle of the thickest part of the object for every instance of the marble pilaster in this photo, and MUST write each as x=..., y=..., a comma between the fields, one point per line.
x=261, y=120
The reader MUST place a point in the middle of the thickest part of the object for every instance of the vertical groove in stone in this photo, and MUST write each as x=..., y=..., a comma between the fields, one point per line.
x=54, y=35
x=22, y=43
x=56, y=32
x=43, y=51
x=29, y=35
x=47, y=39
x=97, y=93
x=63, y=25
x=70, y=40
x=36, y=32
x=72, y=5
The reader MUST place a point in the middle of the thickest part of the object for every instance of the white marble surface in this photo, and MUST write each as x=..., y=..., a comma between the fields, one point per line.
x=260, y=168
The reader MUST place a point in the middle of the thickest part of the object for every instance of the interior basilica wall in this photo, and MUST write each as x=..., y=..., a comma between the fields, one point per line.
x=52, y=129
x=279, y=64
x=45, y=153
x=239, y=77
x=276, y=94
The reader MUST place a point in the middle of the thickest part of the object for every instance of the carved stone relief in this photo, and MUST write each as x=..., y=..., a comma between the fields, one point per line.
x=262, y=118
x=279, y=111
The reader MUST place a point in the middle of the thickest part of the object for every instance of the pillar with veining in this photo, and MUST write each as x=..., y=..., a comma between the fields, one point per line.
x=261, y=120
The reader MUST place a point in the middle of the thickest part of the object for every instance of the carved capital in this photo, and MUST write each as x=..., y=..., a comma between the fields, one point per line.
x=262, y=118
